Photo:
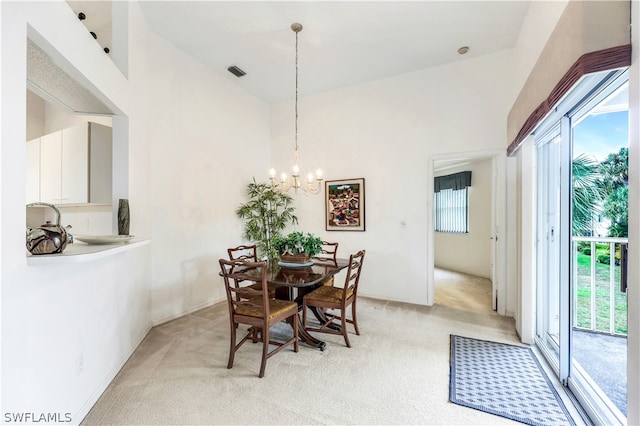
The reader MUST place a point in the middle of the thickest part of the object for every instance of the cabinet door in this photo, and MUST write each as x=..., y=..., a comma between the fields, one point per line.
x=75, y=165
x=101, y=163
x=33, y=171
x=50, y=168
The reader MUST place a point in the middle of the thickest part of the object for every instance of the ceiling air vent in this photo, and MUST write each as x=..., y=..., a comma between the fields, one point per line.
x=236, y=71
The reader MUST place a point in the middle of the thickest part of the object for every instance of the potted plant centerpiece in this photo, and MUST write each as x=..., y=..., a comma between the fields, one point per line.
x=266, y=215
x=297, y=247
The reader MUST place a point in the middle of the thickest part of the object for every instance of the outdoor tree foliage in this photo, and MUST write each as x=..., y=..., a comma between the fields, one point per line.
x=601, y=188
x=614, y=186
x=615, y=170
x=615, y=208
x=586, y=195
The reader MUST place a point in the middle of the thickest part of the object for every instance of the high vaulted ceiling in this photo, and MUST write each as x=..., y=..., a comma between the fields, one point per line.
x=343, y=43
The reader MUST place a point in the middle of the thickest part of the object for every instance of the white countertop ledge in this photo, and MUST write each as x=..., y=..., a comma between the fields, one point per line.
x=82, y=252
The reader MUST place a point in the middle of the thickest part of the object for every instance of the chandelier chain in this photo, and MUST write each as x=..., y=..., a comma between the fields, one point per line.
x=296, y=103
x=311, y=184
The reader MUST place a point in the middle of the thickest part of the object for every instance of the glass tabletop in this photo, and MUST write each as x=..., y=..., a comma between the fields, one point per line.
x=306, y=276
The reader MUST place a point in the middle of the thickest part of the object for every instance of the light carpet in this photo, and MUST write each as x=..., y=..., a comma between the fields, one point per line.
x=505, y=380
x=397, y=372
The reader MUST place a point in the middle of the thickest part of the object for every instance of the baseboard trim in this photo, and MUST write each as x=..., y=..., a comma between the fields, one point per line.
x=206, y=304
x=93, y=398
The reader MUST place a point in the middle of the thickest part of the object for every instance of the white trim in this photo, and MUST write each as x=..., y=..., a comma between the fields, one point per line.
x=633, y=301
x=527, y=245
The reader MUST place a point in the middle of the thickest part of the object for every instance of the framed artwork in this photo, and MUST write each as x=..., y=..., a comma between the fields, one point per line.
x=344, y=205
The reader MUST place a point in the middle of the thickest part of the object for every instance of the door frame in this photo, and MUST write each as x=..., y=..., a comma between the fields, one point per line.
x=498, y=222
x=591, y=90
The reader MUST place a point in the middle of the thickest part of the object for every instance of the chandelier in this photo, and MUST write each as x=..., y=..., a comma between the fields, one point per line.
x=312, y=184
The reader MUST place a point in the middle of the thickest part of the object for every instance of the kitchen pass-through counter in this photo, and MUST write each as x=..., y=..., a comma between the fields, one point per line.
x=83, y=252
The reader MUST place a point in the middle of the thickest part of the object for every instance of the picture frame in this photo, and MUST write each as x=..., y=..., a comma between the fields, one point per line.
x=344, y=205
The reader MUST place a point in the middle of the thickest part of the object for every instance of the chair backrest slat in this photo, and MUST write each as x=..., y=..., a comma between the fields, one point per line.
x=246, y=292
x=329, y=252
x=353, y=273
x=248, y=253
x=240, y=283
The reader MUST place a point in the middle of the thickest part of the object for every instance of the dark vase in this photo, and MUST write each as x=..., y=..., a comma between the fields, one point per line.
x=123, y=217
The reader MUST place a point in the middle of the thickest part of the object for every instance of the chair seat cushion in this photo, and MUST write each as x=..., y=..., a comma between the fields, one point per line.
x=327, y=294
x=276, y=307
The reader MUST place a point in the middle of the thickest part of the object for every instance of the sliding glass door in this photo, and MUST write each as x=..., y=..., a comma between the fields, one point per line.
x=548, y=245
x=581, y=239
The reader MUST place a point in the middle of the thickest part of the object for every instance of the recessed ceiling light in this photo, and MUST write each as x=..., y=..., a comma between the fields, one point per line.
x=463, y=50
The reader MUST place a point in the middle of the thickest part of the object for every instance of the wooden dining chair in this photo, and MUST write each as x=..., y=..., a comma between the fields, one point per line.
x=250, y=305
x=329, y=254
x=248, y=253
x=244, y=252
x=337, y=298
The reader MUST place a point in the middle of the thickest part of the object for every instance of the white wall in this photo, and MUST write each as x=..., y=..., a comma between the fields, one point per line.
x=195, y=140
x=206, y=139
x=538, y=25
x=540, y=22
x=532, y=39
x=386, y=130
x=35, y=116
x=57, y=119
x=470, y=253
x=66, y=328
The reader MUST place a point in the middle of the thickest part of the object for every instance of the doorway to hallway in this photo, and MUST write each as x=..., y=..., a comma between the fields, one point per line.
x=462, y=291
x=473, y=249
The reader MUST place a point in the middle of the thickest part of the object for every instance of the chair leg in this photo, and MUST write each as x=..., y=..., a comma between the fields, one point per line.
x=232, y=347
x=345, y=333
x=295, y=319
x=265, y=351
x=354, y=318
x=304, y=316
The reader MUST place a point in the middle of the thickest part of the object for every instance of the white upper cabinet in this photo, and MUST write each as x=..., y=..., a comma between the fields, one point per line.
x=75, y=166
x=33, y=170
x=51, y=168
x=74, y=187
x=100, y=163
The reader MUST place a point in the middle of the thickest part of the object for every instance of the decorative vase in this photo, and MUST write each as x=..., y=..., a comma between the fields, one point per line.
x=123, y=217
x=295, y=258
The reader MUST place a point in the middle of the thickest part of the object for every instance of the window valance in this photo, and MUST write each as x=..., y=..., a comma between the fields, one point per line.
x=590, y=36
x=454, y=181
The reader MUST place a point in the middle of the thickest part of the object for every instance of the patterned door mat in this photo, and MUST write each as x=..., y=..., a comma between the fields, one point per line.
x=505, y=380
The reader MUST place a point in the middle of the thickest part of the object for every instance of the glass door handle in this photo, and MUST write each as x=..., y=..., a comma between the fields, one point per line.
x=623, y=267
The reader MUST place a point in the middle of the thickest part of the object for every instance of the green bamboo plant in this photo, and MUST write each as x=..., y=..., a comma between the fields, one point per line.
x=266, y=214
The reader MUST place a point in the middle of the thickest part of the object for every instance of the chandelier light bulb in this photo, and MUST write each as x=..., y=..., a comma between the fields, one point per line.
x=272, y=172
